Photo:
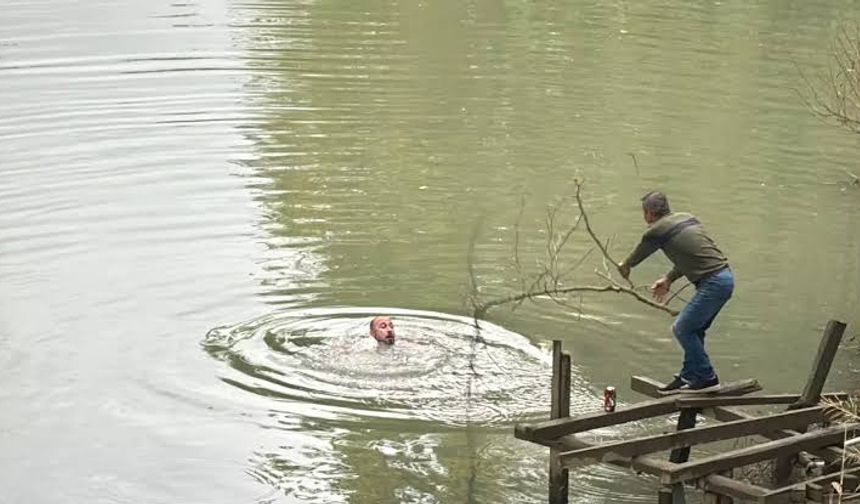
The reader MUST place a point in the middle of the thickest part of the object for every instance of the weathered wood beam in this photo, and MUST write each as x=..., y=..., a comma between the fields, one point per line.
x=690, y=437
x=648, y=386
x=724, y=485
x=751, y=400
x=757, y=453
x=814, y=385
x=654, y=466
x=643, y=463
x=821, y=365
x=545, y=432
x=559, y=408
x=826, y=479
x=829, y=453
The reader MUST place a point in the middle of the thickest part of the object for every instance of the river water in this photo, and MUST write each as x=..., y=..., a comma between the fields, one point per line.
x=203, y=204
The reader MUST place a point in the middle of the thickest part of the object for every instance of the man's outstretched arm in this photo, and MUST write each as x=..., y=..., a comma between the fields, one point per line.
x=645, y=248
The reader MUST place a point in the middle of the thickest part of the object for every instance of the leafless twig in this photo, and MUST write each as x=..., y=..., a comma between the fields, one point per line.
x=675, y=294
x=635, y=163
x=591, y=233
x=835, y=95
x=553, y=280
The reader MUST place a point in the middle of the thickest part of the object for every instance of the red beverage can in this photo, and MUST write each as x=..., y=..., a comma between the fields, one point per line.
x=609, y=399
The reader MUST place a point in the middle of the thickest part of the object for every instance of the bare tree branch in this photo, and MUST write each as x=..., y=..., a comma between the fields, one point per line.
x=591, y=233
x=639, y=297
x=517, y=262
x=553, y=280
x=483, y=308
x=473, y=296
x=836, y=95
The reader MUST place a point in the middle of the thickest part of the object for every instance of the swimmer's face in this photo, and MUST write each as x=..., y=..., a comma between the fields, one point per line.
x=382, y=329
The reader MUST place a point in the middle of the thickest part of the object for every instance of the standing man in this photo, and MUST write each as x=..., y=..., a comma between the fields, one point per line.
x=694, y=255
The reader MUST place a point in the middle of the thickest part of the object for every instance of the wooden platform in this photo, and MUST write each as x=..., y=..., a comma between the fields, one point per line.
x=802, y=430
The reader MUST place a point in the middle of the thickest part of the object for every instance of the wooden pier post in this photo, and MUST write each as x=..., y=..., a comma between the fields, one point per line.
x=687, y=420
x=560, y=407
x=675, y=494
x=830, y=341
x=821, y=365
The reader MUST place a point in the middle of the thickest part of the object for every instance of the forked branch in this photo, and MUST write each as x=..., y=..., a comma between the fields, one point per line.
x=554, y=279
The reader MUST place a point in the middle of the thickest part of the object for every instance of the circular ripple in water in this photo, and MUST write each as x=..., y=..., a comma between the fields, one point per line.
x=441, y=369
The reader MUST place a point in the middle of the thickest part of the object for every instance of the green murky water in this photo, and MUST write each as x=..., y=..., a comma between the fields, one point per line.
x=202, y=204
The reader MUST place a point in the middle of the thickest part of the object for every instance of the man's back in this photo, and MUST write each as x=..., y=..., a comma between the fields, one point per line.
x=685, y=242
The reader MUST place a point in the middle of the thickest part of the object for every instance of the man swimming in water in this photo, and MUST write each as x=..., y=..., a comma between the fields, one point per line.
x=382, y=329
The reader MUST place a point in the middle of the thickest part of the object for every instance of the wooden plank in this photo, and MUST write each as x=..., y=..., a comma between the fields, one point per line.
x=652, y=465
x=727, y=488
x=723, y=498
x=555, y=381
x=707, y=434
x=751, y=400
x=821, y=365
x=564, y=399
x=643, y=463
x=692, y=401
x=687, y=418
x=751, y=454
x=648, y=386
x=724, y=485
x=829, y=453
x=820, y=480
x=543, y=432
x=814, y=385
x=559, y=408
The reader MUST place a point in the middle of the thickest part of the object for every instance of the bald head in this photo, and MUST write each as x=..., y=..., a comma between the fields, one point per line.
x=382, y=329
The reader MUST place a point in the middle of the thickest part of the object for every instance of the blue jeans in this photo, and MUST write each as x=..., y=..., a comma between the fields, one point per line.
x=712, y=292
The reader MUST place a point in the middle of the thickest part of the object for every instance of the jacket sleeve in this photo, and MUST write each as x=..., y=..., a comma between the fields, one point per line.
x=645, y=248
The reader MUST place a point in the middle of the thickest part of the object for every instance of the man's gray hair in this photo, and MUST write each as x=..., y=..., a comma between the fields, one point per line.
x=657, y=203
